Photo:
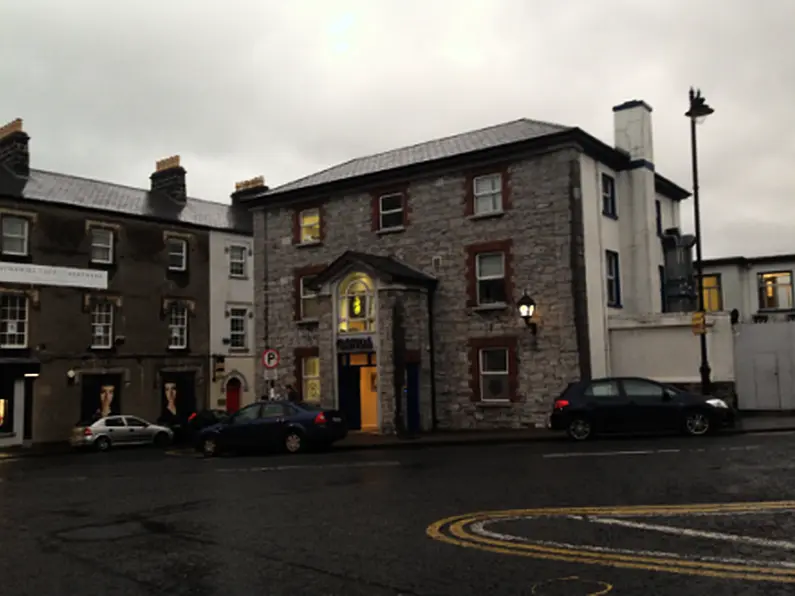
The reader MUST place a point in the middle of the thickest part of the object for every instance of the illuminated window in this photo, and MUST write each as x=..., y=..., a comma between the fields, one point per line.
x=713, y=294
x=310, y=382
x=356, y=304
x=775, y=290
x=309, y=221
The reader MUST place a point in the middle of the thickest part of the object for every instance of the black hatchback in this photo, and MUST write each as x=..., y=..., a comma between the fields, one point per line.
x=635, y=405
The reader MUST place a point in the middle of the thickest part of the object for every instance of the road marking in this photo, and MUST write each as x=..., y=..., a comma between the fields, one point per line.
x=373, y=464
x=567, y=454
x=469, y=531
x=601, y=587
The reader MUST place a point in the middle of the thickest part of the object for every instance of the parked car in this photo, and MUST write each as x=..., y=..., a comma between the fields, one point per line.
x=272, y=425
x=633, y=404
x=185, y=432
x=117, y=431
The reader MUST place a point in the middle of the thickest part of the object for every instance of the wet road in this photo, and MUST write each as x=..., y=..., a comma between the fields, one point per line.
x=595, y=519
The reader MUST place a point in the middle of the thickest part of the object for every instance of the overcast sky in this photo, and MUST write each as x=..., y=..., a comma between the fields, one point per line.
x=241, y=88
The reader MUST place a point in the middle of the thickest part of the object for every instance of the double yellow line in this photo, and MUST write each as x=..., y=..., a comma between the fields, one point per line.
x=455, y=530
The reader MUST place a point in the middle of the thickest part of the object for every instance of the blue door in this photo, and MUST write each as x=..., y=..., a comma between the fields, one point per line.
x=413, y=398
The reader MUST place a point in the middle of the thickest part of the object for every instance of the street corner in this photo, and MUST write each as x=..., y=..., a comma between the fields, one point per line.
x=730, y=541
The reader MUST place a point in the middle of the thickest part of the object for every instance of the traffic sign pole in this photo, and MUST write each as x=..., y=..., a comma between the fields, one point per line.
x=270, y=360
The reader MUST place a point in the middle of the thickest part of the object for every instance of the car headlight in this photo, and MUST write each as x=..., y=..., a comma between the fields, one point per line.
x=717, y=403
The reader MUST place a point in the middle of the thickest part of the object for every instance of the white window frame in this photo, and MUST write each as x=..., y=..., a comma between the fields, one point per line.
x=20, y=307
x=306, y=377
x=302, y=226
x=25, y=237
x=306, y=294
x=613, y=279
x=170, y=242
x=483, y=375
x=609, y=197
x=495, y=194
x=178, y=322
x=102, y=319
x=238, y=313
x=382, y=212
x=243, y=262
x=763, y=277
x=479, y=278
x=102, y=244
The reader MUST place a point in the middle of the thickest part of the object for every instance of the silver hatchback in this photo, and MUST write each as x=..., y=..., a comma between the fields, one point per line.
x=118, y=431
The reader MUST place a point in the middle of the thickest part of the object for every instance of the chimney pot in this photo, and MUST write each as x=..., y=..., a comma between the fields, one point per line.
x=248, y=188
x=169, y=178
x=14, y=153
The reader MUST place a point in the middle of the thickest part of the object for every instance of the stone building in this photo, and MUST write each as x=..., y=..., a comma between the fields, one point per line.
x=103, y=295
x=399, y=274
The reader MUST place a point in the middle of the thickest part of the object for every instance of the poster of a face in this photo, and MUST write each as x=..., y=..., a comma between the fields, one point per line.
x=177, y=398
x=100, y=396
x=106, y=395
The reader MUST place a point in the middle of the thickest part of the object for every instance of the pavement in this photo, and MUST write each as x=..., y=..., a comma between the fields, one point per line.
x=712, y=515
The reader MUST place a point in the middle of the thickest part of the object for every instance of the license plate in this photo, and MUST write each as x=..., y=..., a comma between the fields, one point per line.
x=336, y=419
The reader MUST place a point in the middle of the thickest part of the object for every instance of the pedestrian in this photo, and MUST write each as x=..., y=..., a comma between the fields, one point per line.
x=292, y=394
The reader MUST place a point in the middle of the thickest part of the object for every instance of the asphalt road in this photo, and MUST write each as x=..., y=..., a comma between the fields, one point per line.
x=632, y=516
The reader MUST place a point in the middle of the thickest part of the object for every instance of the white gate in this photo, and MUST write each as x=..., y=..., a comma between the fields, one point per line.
x=764, y=361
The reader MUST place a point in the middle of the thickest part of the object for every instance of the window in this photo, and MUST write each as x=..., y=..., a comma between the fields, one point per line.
x=247, y=414
x=775, y=290
x=713, y=293
x=237, y=261
x=13, y=321
x=101, y=245
x=272, y=411
x=309, y=226
x=613, y=278
x=658, y=217
x=663, y=289
x=640, y=388
x=237, y=327
x=6, y=416
x=102, y=325
x=15, y=235
x=490, y=276
x=177, y=254
x=135, y=422
x=602, y=389
x=609, y=196
x=309, y=300
x=114, y=422
x=390, y=211
x=178, y=327
x=356, y=304
x=310, y=381
x=494, y=385
x=487, y=192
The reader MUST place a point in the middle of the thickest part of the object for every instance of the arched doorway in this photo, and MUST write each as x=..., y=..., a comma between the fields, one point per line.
x=233, y=387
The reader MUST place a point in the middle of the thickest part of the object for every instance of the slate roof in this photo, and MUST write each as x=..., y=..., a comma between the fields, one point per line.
x=389, y=267
x=460, y=144
x=84, y=193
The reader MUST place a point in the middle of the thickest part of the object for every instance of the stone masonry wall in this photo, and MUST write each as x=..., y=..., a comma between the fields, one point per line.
x=539, y=225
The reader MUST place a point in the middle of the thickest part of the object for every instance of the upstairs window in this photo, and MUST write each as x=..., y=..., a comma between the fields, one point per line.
x=310, y=308
x=102, y=325
x=237, y=328
x=101, y=246
x=178, y=327
x=609, y=207
x=390, y=211
x=309, y=226
x=238, y=259
x=775, y=290
x=487, y=192
x=13, y=321
x=177, y=254
x=713, y=293
x=490, y=276
x=15, y=240
x=613, y=279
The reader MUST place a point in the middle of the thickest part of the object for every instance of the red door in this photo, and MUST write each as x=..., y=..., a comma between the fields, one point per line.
x=233, y=395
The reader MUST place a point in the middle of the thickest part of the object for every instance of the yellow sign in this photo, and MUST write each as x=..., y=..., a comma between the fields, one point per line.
x=699, y=323
x=357, y=306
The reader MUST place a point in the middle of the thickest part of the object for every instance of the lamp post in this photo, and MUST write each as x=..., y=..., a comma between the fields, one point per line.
x=697, y=112
x=527, y=308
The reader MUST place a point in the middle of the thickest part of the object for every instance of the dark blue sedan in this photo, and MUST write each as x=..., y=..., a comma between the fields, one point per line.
x=273, y=425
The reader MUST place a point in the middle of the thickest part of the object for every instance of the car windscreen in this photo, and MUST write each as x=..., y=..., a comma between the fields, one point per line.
x=310, y=407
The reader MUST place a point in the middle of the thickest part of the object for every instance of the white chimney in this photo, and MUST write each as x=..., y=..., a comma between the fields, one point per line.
x=632, y=124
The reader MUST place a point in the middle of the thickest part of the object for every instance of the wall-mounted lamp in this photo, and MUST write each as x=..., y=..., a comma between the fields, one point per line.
x=70, y=376
x=31, y=375
x=527, y=308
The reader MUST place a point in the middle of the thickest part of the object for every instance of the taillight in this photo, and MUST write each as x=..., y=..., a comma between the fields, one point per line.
x=87, y=432
x=191, y=417
x=320, y=418
x=561, y=403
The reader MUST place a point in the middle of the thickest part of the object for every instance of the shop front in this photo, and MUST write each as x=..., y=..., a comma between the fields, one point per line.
x=17, y=377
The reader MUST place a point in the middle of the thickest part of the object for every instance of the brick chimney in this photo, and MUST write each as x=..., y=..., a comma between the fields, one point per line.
x=169, y=178
x=14, y=148
x=248, y=189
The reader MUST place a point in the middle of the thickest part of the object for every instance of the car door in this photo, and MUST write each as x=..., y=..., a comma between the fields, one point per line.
x=607, y=406
x=138, y=430
x=270, y=426
x=653, y=409
x=116, y=430
x=241, y=431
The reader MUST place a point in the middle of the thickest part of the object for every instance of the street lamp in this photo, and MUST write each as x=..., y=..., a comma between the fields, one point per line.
x=527, y=308
x=698, y=111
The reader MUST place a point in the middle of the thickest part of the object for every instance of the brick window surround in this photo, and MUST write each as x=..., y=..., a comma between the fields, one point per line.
x=375, y=199
x=472, y=251
x=297, y=275
x=298, y=359
x=297, y=222
x=469, y=194
x=479, y=343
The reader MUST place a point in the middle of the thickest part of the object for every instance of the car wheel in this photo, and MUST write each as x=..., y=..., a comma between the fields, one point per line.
x=102, y=444
x=162, y=440
x=697, y=424
x=293, y=442
x=209, y=447
x=580, y=429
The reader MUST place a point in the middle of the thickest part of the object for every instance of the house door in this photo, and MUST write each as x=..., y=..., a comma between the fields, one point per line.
x=233, y=395
x=349, y=391
x=413, y=418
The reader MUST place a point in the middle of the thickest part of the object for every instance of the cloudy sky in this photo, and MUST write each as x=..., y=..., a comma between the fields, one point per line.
x=246, y=87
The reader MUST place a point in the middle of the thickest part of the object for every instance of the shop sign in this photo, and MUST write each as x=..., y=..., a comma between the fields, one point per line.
x=45, y=275
x=355, y=344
